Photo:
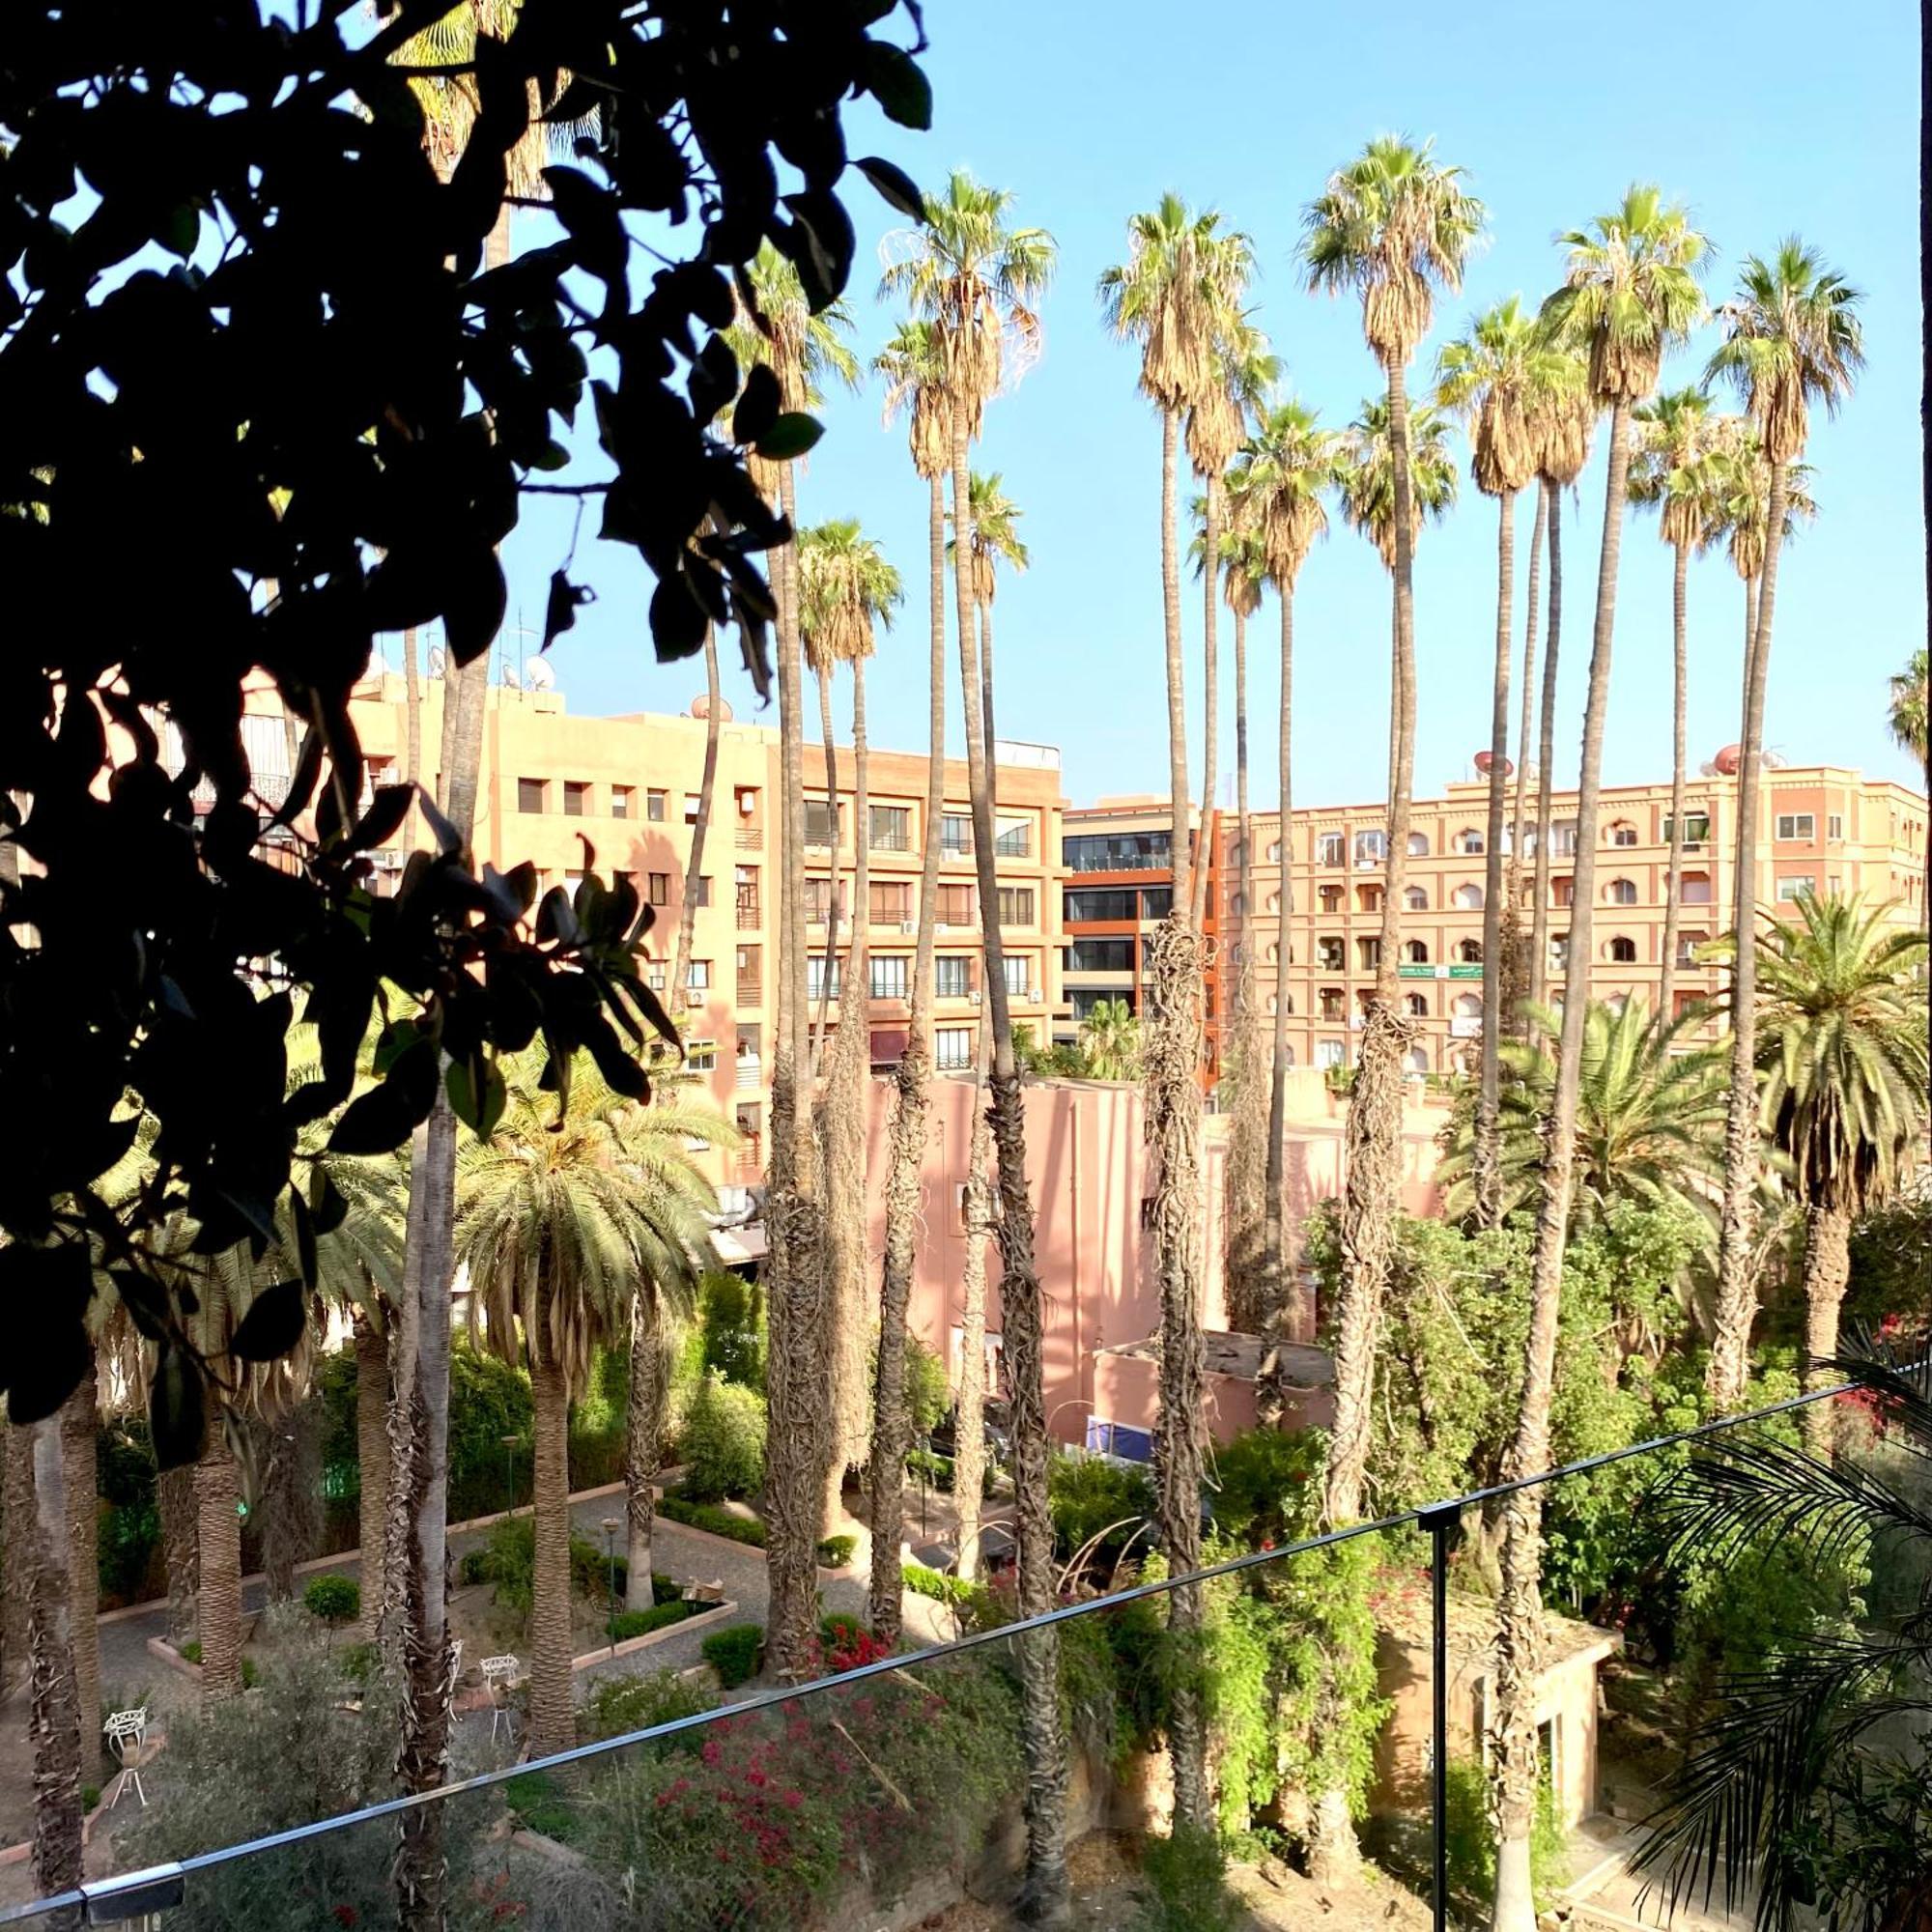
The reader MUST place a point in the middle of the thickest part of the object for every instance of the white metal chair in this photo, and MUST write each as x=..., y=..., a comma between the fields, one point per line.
x=127, y=1739
x=501, y=1675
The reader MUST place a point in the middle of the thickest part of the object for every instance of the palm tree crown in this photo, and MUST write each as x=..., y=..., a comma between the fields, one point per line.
x=1671, y=470
x=1392, y=226
x=1629, y=291
x=1110, y=1042
x=1910, y=714
x=1278, y=485
x=913, y=363
x=996, y=537
x=1792, y=338
x=1498, y=378
x=845, y=587
x=801, y=348
x=1368, y=474
x=1741, y=478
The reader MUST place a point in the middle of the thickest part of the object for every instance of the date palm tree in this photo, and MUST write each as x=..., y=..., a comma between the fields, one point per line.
x=1495, y=377
x=1792, y=342
x=1393, y=227
x=1287, y=469
x=978, y=278
x=1907, y=714
x=1110, y=1042
x=913, y=365
x=1842, y=1054
x=805, y=352
x=571, y=1209
x=1669, y=473
x=1629, y=291
x=847, y=591
x=1177, y=296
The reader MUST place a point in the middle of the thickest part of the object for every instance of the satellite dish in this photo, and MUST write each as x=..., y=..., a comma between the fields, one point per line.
x=435, y=660
x=700, y=707
x=511, y=681
x=541, y=673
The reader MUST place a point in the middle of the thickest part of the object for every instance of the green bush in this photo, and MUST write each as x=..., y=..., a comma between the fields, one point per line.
x=734, y=1653
x=508, y=1560
x=723, y=1442
x=474, y=1567
x=1085, y=1493
x=840, y=1630
x=731, y=1330
x=191, y=1651
x=665, y=1589
x=251, y=1674
x=540, y=1804
x=936, y=1584
x=1471, y=1840
x=836, y=1551
x=599, y=1419
x=938, y=1472
x=709, y=1517
x=1183, y=1886
x=617, y=1706
x=336, y=1600
x=627, y=1624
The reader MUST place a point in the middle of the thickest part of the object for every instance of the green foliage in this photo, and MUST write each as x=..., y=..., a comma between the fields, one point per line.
x=488, y=1399
x=940, y=1587
x=539, y=1804
x=717, y=1521
x=191, y=1651
x=1085, y=1494
x=938, y=1470
x=734, y=1653
x=508, y=1560
x=836, y=1551
x=723, y=1442
x=1890, y=1285
x=1183, y=1886
x=1471, y=1840
x=336, y=1600
x=730, y=1329
x=928, y=1390
x=627, y=1624
x=617, y=1706
x=1266, y=1484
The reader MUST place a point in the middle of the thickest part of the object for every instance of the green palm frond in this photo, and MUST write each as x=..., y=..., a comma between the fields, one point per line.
x=1366, y=472
x=846, y=588
x=1286, y=468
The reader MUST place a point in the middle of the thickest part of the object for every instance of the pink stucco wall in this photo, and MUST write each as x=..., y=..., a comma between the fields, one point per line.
x=1088, y=1168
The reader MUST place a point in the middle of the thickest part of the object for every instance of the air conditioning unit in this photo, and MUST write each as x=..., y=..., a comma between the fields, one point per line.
x=908, y=925
x=694, y=997
x=973, y=997
x=1034, y=994
x=940, y=926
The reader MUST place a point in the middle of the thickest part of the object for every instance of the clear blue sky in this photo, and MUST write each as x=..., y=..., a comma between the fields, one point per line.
x=1089, y=113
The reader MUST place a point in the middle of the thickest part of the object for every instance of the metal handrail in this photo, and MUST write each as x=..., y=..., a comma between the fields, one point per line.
x=1437, y=1518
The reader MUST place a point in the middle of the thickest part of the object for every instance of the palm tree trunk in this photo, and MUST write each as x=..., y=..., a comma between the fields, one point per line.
x=219, y=1535
x=1276, y=1310
x=181, y=1551
x=1737, y=1284
x=1545, y=751
x=1666, y=991
x=969, y=1429
x=693, y=866
x=831, y=972
x=1245, y=1264
x=1520, y=1606
x=1515, y=962
x=372, y=1457
x=1828, y=1270
x=552, y=1724
x=1488, y=1148
x=55, y=1724
x=643, y=1429
x=17, y=1585
x=1022, y=1311
x=80, y=1420
x=412, y=739
x=1182, y=854
x=795, y=1374
x=842, y=1125
x=890, y=1425
x=1210, y=688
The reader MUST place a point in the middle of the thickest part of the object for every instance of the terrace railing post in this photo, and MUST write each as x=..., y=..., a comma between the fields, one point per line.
x=1438, y=1521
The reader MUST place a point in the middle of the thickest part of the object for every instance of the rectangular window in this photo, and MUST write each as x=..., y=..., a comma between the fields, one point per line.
x=953, y=975
x=953, y=1048
x=1371, y=847
x=1697, y=827
x=1115, y=852
x=1369, y=954
x=1019, y=975
x=1014, y=839
x=814, y=977
x=818, y=900
x=1330, y=848
x=700, y=1055
x=529, y=794
x=1100, y=955
x=620, y=801
x=1561, y=891
x=1327, y=1053
x=891, y=828
x=660, y=885
x=576, y=798
x=889, y=976
x=1834, y=828
x=694, y=805
x=704, y=890
x=953, y=906
x=654, y=805
x=1099, y=902
x=889, y=902
x=1796, y=827
x=955, y=834
x=1015, y=905
x=1789, y=889
x=1156, y=902
x=1329, y=955
x=698, y=976
x=821, y=823
x=1563, y=838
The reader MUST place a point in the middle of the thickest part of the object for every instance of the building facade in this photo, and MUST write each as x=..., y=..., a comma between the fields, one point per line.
x=1823, y=827
x=567, y=793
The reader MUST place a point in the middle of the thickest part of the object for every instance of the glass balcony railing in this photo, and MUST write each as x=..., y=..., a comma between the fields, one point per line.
x=1343, y=1680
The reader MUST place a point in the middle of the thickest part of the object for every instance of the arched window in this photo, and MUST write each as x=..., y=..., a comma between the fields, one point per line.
x=1469, y=1006
x=1470, y=953
x=1621, y=951
x=1468, y=897
x=1368, y=899
x=1417, y=1062
x=1418, y=845
x=1290, y=1051
x=1416, y=898
x=1622, y=833
x=1274, y=853
x=1620, y=891
x=1416, y=1005
x=1468, y=841
x=1415, y=951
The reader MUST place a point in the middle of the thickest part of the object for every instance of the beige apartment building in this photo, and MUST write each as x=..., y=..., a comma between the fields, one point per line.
x=565, y=792
x=1823, y=827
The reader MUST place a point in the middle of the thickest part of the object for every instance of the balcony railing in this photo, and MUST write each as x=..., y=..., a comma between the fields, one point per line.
x=750, y=917
x=750, y=990
x=750, y=839
x=1120, y=861
x=747, y=1073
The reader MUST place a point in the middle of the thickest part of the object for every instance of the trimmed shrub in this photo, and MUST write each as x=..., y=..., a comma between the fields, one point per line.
x=723, y=1442
x=627, y=1624
x=836, y=1551
x=620, y=1705
x=336, y=1600
x=734, y=1653
x=709, y=1517
x=508, y=1560
x=1183, y=1886
x=731, y=1329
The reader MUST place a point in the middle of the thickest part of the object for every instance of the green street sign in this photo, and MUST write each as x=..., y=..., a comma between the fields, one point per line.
x=1465, y=972
x=1415, y=972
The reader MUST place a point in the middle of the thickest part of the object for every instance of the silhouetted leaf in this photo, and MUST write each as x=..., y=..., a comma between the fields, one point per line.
x=758, y=407
x=385, y=1116
x=898, y=85
x=177, y=1408
x=272, y=1326
x=561, y=605
x=790, y=436
x=383, y=819
x=893, y=183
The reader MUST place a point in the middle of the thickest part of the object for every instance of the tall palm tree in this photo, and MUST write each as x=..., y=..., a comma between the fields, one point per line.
x=1287, y=469
x=1392, y=226
x=978, y=278
x=37, y=1526
x=1365, y=472
x=1496, y=376
x=561, y=1221
x=1110, y=1042
x=995, y=538
x=1178, y=295
x=1841, y=1048
x=804, y=350
x=1792, y=340
x=846, y=591
x=1668, y=472
x=913, y=367
x=1908, y=715
x=1567, y=421
x=1629, y=291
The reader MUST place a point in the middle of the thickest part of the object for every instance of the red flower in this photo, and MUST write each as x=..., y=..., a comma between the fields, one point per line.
x=344, y=1914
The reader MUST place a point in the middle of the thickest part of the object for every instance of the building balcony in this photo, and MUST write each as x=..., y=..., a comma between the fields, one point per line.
x=750, y=992
x=750, y=916
x=750, y=838
x=747, y=1073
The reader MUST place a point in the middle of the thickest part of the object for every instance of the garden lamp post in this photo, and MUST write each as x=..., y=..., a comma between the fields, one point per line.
x=611, y=1526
